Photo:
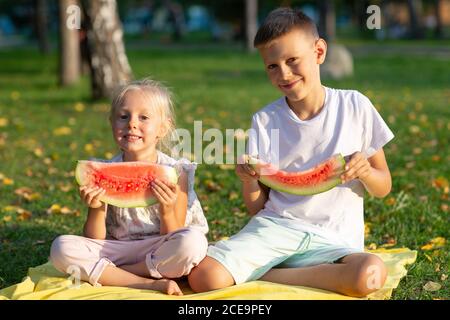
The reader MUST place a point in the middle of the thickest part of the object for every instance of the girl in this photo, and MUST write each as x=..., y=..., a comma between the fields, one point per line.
x=139, y=247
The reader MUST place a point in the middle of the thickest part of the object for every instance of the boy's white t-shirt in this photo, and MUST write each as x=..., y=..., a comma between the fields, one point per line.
x=347, y=123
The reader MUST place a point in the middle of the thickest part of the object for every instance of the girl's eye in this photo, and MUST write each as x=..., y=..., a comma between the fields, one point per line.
x=291, y=60
x=123, y=116
x=271, y=66
x=145, y=117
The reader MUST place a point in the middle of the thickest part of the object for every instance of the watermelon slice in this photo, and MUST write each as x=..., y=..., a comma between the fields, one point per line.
x=127, y=184
x=321, y=178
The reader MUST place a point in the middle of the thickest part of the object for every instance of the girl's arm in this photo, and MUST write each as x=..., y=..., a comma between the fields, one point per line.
x=173, y=199
x=95, y=226
x=372, y=172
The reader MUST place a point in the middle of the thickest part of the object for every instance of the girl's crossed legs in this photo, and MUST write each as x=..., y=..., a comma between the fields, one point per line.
x=132, y=263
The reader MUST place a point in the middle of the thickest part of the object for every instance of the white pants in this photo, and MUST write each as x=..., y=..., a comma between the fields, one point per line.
x=167, y=256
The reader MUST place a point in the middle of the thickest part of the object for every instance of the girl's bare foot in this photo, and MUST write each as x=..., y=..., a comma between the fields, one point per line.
x=167, y=286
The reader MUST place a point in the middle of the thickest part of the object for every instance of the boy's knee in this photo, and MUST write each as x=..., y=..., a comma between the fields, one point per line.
x=369, y=277
x=209, y=275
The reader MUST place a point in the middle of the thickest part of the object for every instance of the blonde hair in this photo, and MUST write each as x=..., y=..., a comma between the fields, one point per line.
x=159, y=98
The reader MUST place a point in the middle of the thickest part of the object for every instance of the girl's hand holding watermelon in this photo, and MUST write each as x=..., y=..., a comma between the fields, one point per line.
x=166, y=193
x=91, y=196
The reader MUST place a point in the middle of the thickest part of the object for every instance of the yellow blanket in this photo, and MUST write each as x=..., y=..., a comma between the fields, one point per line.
x=45, y=282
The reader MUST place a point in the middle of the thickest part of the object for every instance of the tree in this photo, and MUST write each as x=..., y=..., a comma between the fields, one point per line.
x=251, y=22
x=437, y=11
x=41, y=12
x=415, y=8
x=108, y=61
x=69, y=46
x=339, y=61
x=327, y=21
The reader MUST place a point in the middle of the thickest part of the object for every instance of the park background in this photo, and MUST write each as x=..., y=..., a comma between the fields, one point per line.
x=54, y=110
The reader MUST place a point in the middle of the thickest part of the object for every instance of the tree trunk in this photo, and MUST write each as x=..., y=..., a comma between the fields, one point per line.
x=415, y=8
x=69, y=51
x=108, y=61
x=42, y=25
x=437, y=11
x=251, y=22
x=327, y=20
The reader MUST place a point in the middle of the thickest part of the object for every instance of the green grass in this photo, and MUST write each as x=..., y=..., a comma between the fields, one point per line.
x=223, y=88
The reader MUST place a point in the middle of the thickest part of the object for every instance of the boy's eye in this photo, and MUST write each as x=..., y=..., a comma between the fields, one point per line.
x=291, y=60
x=271, y=66
x=123, y=116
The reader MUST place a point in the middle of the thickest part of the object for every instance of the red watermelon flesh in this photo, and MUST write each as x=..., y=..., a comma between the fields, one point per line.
x=321, y=178
x=127, y=184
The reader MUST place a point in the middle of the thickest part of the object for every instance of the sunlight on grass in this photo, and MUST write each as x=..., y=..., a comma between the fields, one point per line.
x=44, y=130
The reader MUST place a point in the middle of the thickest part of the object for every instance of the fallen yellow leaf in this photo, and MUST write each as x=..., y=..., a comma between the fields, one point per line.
x=367, y=226
x=54, y=209
x=3, y=122
x=65, y=210
x=390, y=201
x=8, y=181
x=108, y=155
x=38, y=152
x=440, y=183
x=432, y=286
x=435, y=243
x=88, y=147
x=62, y=131
x=10, y=208
x=23, y=215
x=233, y=195
x=79, y=107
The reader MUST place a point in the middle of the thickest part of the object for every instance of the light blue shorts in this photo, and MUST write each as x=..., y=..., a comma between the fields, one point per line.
x=264, y=244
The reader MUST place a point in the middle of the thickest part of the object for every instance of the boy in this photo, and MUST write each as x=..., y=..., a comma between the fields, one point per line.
x=314, y=241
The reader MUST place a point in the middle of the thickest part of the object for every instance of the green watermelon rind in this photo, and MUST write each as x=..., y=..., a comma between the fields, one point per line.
x=145, y=202
x=308, y=190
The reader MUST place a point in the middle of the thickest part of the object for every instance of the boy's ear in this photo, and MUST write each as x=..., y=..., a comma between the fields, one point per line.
x=321, y=50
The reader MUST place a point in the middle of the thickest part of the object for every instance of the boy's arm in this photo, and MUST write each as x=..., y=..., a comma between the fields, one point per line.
x=254, y=193
x=372, y=172
x=255, y=196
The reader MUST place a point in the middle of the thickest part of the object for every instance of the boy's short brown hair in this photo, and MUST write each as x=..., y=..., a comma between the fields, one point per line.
x=282, y=20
